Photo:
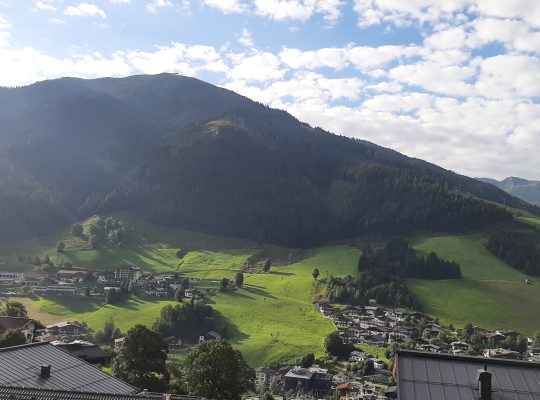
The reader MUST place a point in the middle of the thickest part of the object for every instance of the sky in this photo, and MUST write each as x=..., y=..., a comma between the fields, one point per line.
x=454, y=82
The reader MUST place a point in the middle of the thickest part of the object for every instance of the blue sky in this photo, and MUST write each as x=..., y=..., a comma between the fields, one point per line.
x=453, y=82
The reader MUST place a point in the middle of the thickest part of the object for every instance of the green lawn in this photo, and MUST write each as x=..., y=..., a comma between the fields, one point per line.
x=136, y=310
x=272, y=318
x=476, y=261
x=491, y=293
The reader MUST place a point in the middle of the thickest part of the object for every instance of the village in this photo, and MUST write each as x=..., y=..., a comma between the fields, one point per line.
x=72, y=282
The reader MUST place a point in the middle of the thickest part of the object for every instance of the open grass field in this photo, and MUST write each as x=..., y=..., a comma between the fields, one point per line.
x=272, y=318
x=491, y=293
x=136, y=310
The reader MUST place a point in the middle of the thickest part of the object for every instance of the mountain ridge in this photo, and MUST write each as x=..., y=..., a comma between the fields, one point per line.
x=527, y=190
x=72, y=147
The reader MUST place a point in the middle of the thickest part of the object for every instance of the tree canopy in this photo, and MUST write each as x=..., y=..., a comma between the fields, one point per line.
x=142, y=360
x=217, y=371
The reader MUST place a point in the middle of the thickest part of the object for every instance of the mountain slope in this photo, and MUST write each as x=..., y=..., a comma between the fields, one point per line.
x=519, y=187
x=188, y=154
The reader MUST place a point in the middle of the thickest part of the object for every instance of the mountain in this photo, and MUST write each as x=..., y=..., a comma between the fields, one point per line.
x=518, y=187
x=185, y=153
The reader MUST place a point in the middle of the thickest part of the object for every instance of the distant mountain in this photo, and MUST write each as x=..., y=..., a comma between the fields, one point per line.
x=519, y=187
x=188, y=154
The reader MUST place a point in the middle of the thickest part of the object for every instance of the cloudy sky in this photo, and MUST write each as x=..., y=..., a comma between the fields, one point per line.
x=455, y=82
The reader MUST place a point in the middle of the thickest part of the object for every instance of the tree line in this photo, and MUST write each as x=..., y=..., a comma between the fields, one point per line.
x=382, y=275
x=520, y=250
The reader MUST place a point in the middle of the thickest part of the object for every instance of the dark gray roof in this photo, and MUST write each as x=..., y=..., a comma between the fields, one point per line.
x=17, y=393
x=20, y=366
x=17, y=323
x=426, y=376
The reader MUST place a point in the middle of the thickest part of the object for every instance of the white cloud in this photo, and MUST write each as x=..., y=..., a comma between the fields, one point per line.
x=120, y=1
x=298, y=10
x=155, y=4
x=245, y=38
x=527, y=10
x=40, y=5
x=85, y=10
x=407, y=12
x=260, y=67
x=226, y=6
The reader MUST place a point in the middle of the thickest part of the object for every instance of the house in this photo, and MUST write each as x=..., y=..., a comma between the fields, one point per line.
x=433, y=376
x=357, y=356
x=13, y=393
x=26, y=326
x=191, y=293
x=502, y=353
x=378, y=364
x=210, y=335
x=86, y=351
x=11, y=277
x=44, y=366
x=129, y=274
x=459, y=347
x=70, y=275
x=173, y=343
x=429, y=347
x=106, y=278
x=67, y=328
x=118, y=343
x=314, y=379
x=34, y=279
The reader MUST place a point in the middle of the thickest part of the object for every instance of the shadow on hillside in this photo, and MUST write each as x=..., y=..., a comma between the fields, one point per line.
x=233, y=331
x=280, y=273
x=258, y=292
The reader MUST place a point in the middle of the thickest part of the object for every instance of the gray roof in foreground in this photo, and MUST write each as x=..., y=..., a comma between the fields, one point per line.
x=427, y=376
x=14, y=393
x=20, y=366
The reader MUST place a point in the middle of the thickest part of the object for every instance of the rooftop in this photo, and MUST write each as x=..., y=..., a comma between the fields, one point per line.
x=426, y=376
x=16, y=323
x=20, y=366
x=18, y=393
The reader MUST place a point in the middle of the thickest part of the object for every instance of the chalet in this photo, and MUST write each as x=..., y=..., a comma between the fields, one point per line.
x=70, y=275
x=429, y=347
x=459, y=347
x=210, y=335
x=373, y=311
x=508, y=333
x=84, y=350
x=502, y=353
x=313, y=379
x=173, y=343
x=26, y=326
x=34, y=279
x=118, y=343
x=67, y=328
x=357, y=356
x=191, y=293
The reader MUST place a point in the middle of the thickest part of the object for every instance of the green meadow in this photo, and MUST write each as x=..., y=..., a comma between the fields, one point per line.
x=272, y=319
x=491, y=293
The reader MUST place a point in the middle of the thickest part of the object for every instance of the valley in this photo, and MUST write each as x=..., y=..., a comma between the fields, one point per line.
x=272, y=319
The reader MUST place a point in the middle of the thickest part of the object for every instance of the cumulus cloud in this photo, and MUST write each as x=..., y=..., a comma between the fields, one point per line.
x=298, y=10
x=85, y=10
x=449, y=97
x=41, y=5
x=154, y=5
x=226, y=6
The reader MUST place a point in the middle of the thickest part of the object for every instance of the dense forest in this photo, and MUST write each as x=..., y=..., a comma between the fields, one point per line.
x=185, y=153
x=382, y=274
x=521, y=250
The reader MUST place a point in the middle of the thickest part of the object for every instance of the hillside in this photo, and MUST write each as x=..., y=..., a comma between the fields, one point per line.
x=519, y=187
x=491, y=294
x=254, y=315
x=190, y=155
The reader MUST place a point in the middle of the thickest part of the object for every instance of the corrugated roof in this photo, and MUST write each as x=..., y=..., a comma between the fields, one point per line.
x=20, y=366
x=432, y=376
x=17, y=393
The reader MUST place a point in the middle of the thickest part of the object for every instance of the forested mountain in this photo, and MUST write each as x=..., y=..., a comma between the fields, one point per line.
x=186, y=153
x=519, y=187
